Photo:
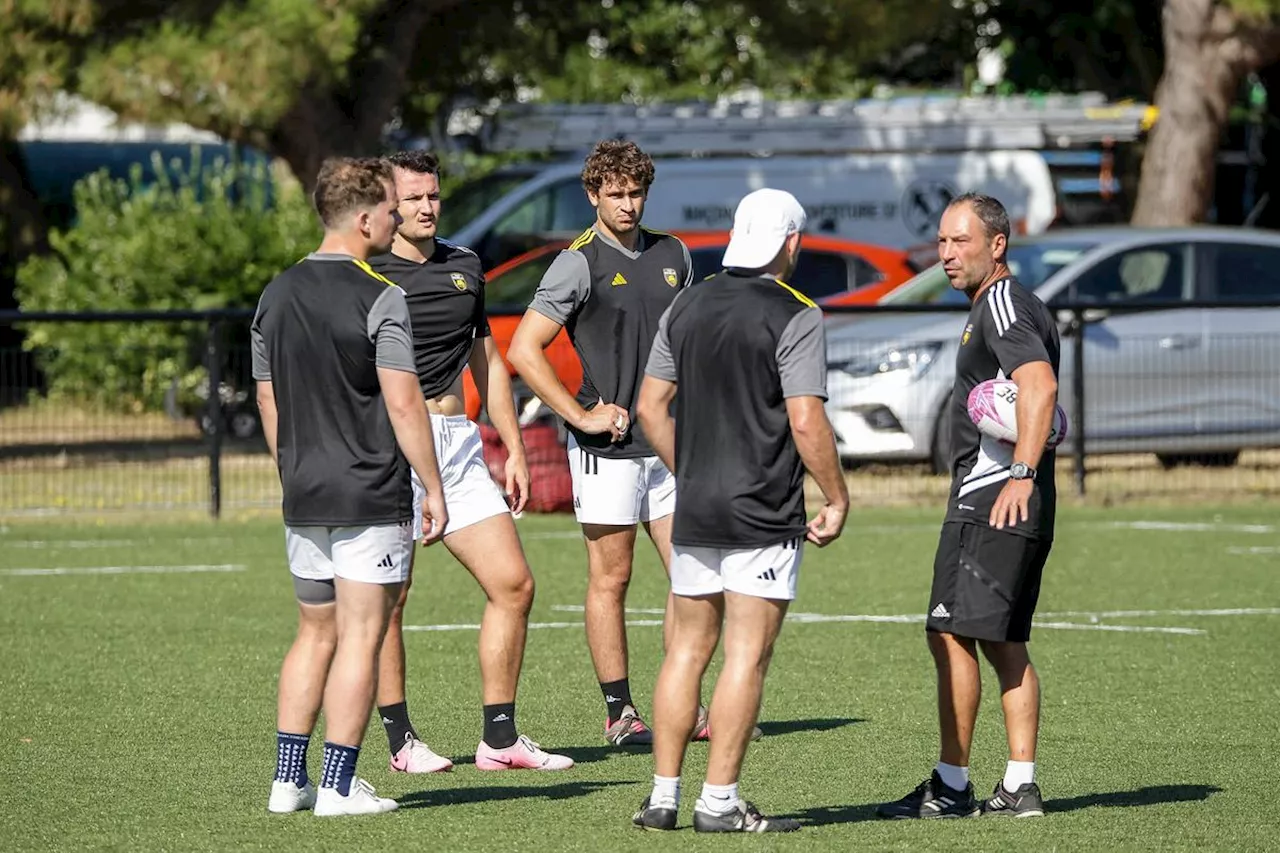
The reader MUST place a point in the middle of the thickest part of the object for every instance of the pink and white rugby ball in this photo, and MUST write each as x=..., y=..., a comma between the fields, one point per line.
x=993, y=409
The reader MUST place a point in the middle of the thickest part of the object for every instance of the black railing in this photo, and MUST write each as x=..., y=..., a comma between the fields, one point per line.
x=222, y=400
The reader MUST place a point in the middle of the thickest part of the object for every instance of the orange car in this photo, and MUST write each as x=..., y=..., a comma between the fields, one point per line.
x=832, y=271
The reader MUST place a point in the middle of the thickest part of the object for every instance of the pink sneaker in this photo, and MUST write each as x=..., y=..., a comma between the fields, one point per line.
x=523, y=754
x=416, y=757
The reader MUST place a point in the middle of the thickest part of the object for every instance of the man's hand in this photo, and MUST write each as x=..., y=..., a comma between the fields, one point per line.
x=1012, y=504
x=606, y=417
x=517, y=488
x=827, y=525
x=434, y=518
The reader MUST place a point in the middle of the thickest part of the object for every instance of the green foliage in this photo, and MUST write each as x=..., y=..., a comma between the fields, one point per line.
x=210, y=236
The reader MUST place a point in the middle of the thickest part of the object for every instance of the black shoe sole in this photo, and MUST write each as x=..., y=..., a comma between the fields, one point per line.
x=1009, y=813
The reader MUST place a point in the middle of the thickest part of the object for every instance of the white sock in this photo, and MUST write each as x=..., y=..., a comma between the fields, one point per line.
x=954, y=777
x=718, y=799
x=1017, y=774
x=666, y=792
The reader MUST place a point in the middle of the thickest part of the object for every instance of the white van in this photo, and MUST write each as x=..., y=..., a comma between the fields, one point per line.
x=890, y=199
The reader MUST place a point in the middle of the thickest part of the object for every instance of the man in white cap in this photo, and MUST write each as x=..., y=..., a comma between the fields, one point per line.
x=748, y=355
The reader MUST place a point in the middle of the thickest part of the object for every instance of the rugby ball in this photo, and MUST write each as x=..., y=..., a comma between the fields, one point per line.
x=993, y=410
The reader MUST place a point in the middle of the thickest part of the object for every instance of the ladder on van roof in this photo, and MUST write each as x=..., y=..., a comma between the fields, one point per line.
x=905, y=124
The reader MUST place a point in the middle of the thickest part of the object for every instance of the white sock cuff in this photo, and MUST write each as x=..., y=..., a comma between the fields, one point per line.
x=1017, y=774
x=953, y=776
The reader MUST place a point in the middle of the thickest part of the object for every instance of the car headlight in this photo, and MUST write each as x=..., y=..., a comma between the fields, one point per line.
x=915, y=358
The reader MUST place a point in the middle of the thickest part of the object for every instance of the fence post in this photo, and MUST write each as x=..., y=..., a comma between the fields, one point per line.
x=213, y=354
x=1077, y=397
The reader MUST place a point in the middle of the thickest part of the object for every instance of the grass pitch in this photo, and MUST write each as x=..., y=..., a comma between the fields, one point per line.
x=137, y=695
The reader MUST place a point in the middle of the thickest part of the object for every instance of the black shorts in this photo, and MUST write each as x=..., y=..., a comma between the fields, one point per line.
x=986, y=582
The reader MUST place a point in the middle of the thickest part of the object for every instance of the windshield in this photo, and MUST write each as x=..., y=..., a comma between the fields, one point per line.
x=1031, y=263
x=475, y=197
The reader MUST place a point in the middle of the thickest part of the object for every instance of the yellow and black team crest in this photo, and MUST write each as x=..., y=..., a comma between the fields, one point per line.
x=459, y=280
x=968, y=331
x=669, y=275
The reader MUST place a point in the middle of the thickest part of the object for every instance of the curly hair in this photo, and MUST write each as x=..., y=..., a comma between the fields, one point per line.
x=613, y=160
x=418, y=162
x=347, y=184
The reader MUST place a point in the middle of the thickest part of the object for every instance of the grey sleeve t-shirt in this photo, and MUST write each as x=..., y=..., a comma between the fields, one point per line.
x=391, y=333
x=564, y=288
x=802, y=356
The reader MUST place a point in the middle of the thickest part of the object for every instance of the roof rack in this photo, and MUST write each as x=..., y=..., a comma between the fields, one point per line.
x=915, y=124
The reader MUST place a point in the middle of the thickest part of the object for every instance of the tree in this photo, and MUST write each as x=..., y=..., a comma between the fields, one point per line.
x=1209, y=45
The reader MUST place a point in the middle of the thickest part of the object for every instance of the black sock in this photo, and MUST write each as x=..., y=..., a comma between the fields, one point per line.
x=395, y=718
x=500, y=725
x=617, y=695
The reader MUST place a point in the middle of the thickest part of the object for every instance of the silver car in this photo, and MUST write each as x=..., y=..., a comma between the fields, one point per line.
x=1190, y=384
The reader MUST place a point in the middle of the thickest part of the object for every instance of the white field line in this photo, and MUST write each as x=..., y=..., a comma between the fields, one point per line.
x=1129, y=614
x=1185, y=526
x=815, y=618
x=1255, y=550
x=121, y=570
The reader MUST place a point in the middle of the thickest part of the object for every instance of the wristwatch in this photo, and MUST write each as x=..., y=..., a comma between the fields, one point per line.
x=1021, y=471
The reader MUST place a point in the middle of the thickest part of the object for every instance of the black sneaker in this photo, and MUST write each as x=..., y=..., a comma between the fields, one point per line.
x=745, y=818
x=1024, y=802
x=932, y=799
x=654, y=818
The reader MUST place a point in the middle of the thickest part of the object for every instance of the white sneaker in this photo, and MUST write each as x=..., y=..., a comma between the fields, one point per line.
x=362, y=799
x=287, y=797
x=416, y=757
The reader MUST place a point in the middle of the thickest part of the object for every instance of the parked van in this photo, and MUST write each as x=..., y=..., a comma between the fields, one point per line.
x=890, y=199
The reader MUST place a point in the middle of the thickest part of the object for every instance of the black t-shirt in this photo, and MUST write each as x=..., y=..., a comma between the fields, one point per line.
x=1008, y=327
x=609, y=300
x=446, y=306
x=323, y=328
x=737, y=346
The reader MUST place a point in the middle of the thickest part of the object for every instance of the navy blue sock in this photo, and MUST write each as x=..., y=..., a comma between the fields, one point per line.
x=291, y=758
x=339, y=767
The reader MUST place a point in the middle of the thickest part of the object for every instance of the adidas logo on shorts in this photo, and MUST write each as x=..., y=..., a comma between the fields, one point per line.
x=767, y=575
x=385, y=563
x=940, y=612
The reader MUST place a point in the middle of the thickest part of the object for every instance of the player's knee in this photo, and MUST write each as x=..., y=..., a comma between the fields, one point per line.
x=612, y=583
x=520, y=594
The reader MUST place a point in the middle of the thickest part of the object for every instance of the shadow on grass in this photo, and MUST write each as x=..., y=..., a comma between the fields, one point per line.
x=773, y=728
x=458, y=796
x=1149, y=796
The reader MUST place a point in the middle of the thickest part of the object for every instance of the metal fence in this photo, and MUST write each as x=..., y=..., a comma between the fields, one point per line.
x=1161, y=406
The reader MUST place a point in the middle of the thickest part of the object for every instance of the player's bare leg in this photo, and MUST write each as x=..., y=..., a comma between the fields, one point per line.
x=361, y=613
x=306, y=665
x=695, y=631
x=959, y=692
x=610, y=552
x=409, y=754
x=1017, y=794
x=751, y=626
x=659, y=531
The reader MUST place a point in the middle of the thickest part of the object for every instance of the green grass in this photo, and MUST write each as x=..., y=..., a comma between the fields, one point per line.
x=137, y=710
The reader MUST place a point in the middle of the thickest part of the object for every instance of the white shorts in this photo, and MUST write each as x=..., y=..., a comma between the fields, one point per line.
x=619, y=491
x=470, y=494
x=769, y=572
x=378, y=554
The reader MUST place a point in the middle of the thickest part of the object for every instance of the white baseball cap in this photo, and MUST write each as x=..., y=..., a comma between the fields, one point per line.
x=763, y=221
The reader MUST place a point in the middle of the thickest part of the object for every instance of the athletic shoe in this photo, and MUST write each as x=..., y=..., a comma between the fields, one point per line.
x=745, y=818
x=524, y=754
x=655, y=818
x=702, y=728
x=287, y=797
x=360, y=799
x=1024, y=802
x=932, y=799
x=416, y=757
x=628, y=730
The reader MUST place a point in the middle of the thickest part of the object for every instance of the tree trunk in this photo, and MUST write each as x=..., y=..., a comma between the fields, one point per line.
x=23, y=230
x=1208, y=50
x=324, y=123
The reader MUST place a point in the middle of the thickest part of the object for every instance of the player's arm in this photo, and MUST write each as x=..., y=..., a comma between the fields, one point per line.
x=1019, y=348
x=407, y=409
x=563, y=290
x=267, y=412
x=802, y=367
x=490, y=375
x=658, y=389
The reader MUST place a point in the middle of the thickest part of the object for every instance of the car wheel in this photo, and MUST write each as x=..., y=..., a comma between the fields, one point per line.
x=1224, y=459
